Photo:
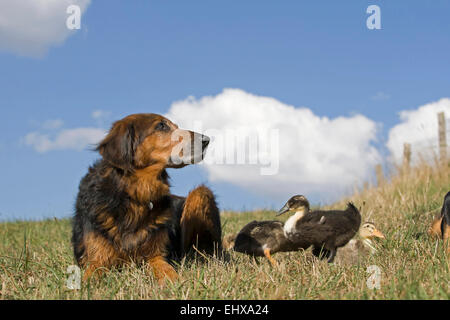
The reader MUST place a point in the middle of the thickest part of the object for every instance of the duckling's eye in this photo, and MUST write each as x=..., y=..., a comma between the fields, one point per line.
x=162, y=126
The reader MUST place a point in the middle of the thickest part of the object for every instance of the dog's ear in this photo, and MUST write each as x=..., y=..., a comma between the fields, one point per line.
x=119, y=146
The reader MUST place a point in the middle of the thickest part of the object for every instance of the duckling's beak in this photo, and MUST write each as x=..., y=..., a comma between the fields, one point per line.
x=378, y=234
x=283, y=210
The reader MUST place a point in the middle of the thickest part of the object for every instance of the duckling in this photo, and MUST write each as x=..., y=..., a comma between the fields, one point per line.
x=298, y=205
x=263, y=238
x=228, y=241
x=326, y=231
x=360, y=247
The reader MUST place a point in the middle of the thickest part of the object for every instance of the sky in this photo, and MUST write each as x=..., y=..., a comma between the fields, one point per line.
x=341, y=97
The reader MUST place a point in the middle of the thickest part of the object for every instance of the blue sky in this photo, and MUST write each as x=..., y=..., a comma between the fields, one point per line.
x=144, y=56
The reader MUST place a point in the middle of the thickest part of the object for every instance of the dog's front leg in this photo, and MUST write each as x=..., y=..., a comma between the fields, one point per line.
x=162, y=269
x=200, y=222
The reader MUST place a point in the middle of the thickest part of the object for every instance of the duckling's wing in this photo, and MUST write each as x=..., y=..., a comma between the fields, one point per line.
x=249, y=226
x=336, y=223
x=263, y=229
x=312, y=233
x=271, y=224
x=344, y=234
x=277, y=241
x=337, y=218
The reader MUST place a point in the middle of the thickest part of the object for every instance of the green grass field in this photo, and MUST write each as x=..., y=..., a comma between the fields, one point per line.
x=34, y=257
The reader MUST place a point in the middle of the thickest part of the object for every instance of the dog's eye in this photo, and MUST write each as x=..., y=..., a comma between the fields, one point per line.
x=162, y=126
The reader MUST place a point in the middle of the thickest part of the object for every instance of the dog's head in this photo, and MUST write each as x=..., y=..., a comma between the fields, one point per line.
x=142, y=140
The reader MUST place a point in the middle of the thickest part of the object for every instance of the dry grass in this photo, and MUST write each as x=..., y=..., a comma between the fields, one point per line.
x=34, y=257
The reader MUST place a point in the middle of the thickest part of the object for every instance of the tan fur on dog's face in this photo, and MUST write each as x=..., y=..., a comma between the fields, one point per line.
x=158, y=144
x=142, y=140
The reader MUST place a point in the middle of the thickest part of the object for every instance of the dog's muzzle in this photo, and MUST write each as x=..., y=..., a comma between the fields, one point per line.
x=191, y=148
x=205, y=142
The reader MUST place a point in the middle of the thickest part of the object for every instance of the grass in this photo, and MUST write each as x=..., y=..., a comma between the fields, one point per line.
x=34, y=257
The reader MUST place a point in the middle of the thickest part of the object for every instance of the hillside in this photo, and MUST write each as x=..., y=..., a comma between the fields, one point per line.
x=34, y=257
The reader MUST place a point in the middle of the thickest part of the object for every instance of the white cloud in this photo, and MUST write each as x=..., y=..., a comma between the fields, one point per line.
x=101, y=117
x=418, y=127
x=380, y=96
x=65, y=139
x=316, y=154
x=52, y=124
x=31, y=27
x=68, y=139
x=100, y=114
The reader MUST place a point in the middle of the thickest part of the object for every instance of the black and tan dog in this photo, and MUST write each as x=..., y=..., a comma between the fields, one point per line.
x=125, y=211
x=441, y=225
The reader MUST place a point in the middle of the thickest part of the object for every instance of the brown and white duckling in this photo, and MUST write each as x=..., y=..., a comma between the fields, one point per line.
x=262, y=238
x=361, y=246
x=298, y=206
x=326, y=231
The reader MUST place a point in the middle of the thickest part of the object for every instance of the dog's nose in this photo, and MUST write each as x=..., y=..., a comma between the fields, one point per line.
x=205, y=141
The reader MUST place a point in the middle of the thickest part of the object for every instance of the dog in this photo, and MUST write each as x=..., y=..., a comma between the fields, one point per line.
x=441, y=225
x=124, y=209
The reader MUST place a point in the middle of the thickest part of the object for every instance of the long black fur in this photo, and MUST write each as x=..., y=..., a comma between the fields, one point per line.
x=98, y=191
x=445, y=214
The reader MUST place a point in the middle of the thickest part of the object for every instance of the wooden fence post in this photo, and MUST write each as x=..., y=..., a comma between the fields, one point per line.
x=442, y=137
x=406, y=155
x=380, y=175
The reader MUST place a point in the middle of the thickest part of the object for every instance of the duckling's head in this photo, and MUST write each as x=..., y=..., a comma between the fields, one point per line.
x=228, y=241
x=295, y=204
x=369, y=231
